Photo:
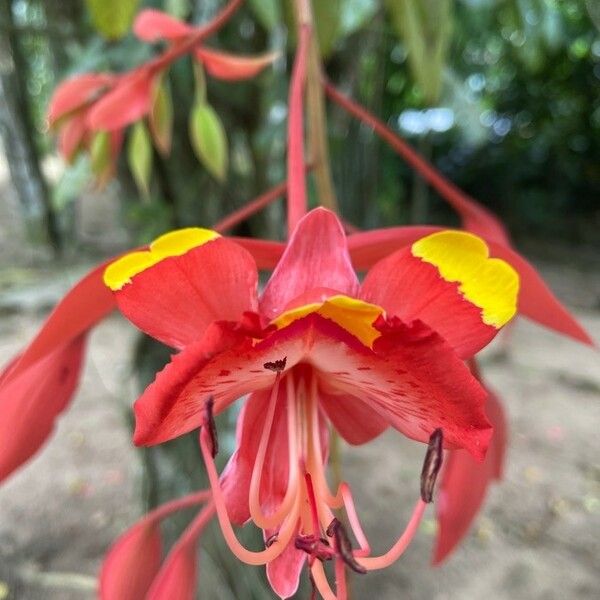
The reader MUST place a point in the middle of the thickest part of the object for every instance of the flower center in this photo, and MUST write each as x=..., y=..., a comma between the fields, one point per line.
x=355, y=316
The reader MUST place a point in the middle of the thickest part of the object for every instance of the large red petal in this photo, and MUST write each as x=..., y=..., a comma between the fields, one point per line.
x=231, y=67
x=129, y=101
x=132, y=563
x=416, y=383
x=465, y=483
x=152, y=25
x=316, y=256
x=411, y=288
x=177, y=298
x=412, y=379
x=536, y=300
x=32, y=399
x=76, y=92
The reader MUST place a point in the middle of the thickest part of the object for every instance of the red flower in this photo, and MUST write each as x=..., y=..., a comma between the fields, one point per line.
x=316, y=347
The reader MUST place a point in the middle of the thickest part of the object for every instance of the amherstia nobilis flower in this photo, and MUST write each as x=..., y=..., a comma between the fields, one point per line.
x=315, y=349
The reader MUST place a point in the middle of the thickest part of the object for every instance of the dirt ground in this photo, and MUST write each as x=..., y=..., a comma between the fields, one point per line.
x=538, y=536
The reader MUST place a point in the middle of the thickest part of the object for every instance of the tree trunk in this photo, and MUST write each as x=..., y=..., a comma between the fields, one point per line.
x=16, y=130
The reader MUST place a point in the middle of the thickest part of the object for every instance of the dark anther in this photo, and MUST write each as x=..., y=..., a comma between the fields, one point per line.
x=315, y=547
x=343, y=545
x=432, y=465
x=277, y=365
x=209, y=421
x=271, y=540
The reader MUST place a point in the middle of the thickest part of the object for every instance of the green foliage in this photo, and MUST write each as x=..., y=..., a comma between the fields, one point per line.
x=209, y=139
x=112, y=18
x=425, y=26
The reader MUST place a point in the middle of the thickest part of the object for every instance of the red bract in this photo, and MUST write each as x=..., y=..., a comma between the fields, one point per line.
x=315, y=347
x=38, y=385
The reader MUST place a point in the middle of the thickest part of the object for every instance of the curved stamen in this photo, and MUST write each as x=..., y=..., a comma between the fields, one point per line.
x=262, y=520
x=393, y=554
x=320, y=580
x=248, y=556
x=254, y=498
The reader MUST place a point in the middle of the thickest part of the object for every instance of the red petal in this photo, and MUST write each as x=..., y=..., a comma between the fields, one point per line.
x=153, y=25
x=38, y=385
x=354, y=420
x=129, y=101
x=284, y=572
x=231, y=67
x=537, y=301
x=176, y=299
x=410, y=288
x=132, y=563
x=316, y=256
x=265, y=252
x=417, y=384
x=369, y=247
x=32, y=399
x=465, y=483
x=83, y=306
x=71, y=136
x=77, y=92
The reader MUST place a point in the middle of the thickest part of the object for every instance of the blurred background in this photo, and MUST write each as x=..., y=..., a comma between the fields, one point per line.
x=503, y=96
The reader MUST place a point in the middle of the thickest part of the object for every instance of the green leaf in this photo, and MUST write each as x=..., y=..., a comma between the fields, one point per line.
x=328, y=24
x=112, y=18
x=209, y=139
x=267, y=12
x=161, y=118
x=139, y=156
x=101, y=157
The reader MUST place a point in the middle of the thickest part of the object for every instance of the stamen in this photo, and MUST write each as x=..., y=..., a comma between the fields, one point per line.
x=276, y=365
x=395, y=552
x=271, y=540
x=343, y=545
x=209, y=422
x=320, y=581
x=340, y=579
x=248, y=556
x=432, y=465
x=315, y=547
x=270, y=521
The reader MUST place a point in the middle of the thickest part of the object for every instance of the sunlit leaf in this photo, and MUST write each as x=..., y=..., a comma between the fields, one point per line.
x=139, y=156
x=209, y=139
x=112, y=18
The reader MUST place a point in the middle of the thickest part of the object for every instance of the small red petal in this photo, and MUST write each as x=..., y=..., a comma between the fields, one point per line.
x=152, y=25
x=76, y=92
x=127, y=102
x=231, y=67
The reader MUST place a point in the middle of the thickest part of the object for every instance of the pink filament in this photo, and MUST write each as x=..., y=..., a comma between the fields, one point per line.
x=340, y=579
x=321, y=582
x=393, y=554
x=248, y=556
x=262, y=520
